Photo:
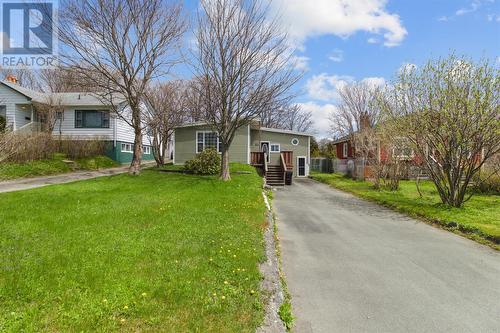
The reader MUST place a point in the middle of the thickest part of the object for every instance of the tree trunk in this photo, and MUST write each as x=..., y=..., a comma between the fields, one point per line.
x=224, y=170
x=135, y=166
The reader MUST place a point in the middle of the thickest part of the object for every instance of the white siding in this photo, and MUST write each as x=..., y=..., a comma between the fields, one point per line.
x=68, y=126
x=10, y=98
x=125, y=132
x=23, y=115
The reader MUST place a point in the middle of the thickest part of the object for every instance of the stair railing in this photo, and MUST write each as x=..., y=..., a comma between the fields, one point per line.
x=264, y=155
x=283, y=166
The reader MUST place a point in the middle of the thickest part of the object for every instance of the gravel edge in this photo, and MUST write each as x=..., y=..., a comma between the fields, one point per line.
x=271, y=282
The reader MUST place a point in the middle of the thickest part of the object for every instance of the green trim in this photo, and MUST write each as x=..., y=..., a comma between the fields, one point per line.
x=115, y=153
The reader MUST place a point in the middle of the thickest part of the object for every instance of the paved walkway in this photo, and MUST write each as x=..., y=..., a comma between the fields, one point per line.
x=353, y=266
x=29, y=183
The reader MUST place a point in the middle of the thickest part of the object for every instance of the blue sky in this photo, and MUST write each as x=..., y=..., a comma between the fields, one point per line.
x=340, y=41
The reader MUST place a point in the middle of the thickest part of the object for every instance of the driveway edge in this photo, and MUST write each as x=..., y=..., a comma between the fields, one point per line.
x=271, y=284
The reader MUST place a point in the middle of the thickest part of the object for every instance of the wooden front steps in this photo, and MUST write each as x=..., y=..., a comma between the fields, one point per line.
x=275, y=176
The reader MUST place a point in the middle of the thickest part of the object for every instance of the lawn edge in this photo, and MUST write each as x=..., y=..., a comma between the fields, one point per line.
x=435, y=222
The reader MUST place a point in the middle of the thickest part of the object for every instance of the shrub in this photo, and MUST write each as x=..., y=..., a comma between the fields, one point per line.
x=205, y=163
x=487, y=182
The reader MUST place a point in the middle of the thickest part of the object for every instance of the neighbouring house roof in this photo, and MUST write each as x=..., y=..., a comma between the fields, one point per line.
x=69, y=99
x=254, y=127
x=345, y=138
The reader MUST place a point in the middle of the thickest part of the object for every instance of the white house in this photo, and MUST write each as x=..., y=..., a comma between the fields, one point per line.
x=85, y=117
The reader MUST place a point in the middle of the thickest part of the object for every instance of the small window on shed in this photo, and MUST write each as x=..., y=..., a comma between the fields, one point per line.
x=344, y=150
x=295, y=141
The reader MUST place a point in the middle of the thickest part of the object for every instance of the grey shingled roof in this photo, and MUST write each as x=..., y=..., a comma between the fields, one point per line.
x=66, y=99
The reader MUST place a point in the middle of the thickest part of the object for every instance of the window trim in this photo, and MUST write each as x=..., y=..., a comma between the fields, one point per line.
x=131, y=145
x=146, y=150
x=103, y=119
x=345, y=149
x=274, y=151
x=207, y=131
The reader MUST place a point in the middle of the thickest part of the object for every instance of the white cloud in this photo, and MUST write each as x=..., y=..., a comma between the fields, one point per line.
x=374, y=82
x=493, y=17
x=472, y=8
x=324, y=87
x=305, y=18
x=372, y=40
x=300, y=63
x=337, y=56
x=321, y=117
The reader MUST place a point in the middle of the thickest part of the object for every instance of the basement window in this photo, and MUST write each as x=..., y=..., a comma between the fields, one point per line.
x=127, y=148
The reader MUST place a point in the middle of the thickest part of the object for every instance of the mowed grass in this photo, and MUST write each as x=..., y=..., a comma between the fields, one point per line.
x=159, y=253
x=479, y=217
x=52, y=166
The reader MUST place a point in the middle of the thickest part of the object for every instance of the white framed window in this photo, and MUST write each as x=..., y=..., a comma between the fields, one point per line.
x=345, y=149
x=146, y=150
x=207, y=140
x=295, y=141
x=127, y=148
x=275, y=148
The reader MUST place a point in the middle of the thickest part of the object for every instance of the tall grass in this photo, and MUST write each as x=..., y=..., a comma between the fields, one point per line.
x=27, y=147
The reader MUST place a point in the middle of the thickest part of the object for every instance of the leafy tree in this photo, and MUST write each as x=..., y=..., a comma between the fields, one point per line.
x=448, y=111
x=314, y=147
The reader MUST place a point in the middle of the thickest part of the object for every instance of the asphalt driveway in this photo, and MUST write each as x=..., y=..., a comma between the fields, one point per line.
x=353, y=266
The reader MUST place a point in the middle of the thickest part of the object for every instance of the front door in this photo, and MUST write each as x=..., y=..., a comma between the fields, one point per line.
x=301, y=166
x=264, y=148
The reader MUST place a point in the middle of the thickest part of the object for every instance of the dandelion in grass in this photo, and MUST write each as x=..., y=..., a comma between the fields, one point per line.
x=125, y=307
x=223, y=297
x=225, y=282
x=144, y=294
x=123, y=320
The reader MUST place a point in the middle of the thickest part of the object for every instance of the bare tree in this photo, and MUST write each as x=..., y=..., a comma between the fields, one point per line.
x=25, y=77
x=448, y=110
x=64, y=79
x=356, y=117
x=50, y=112
x=289, y=116
x=120, y=47
x=356, y=110
x=243, y=66
x=168, y=101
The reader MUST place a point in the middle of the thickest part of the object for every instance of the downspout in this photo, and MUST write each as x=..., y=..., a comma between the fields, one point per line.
x=115, y=132
x=248, y=147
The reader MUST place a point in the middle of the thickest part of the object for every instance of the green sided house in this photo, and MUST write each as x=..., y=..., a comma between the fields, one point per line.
x=275, y=152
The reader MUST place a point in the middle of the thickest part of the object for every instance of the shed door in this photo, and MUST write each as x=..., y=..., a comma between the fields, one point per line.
x=301, y=166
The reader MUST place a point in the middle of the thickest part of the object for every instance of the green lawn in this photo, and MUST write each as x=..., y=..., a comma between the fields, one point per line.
x=479, y=217
x=158, y=252
x=53, y=166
